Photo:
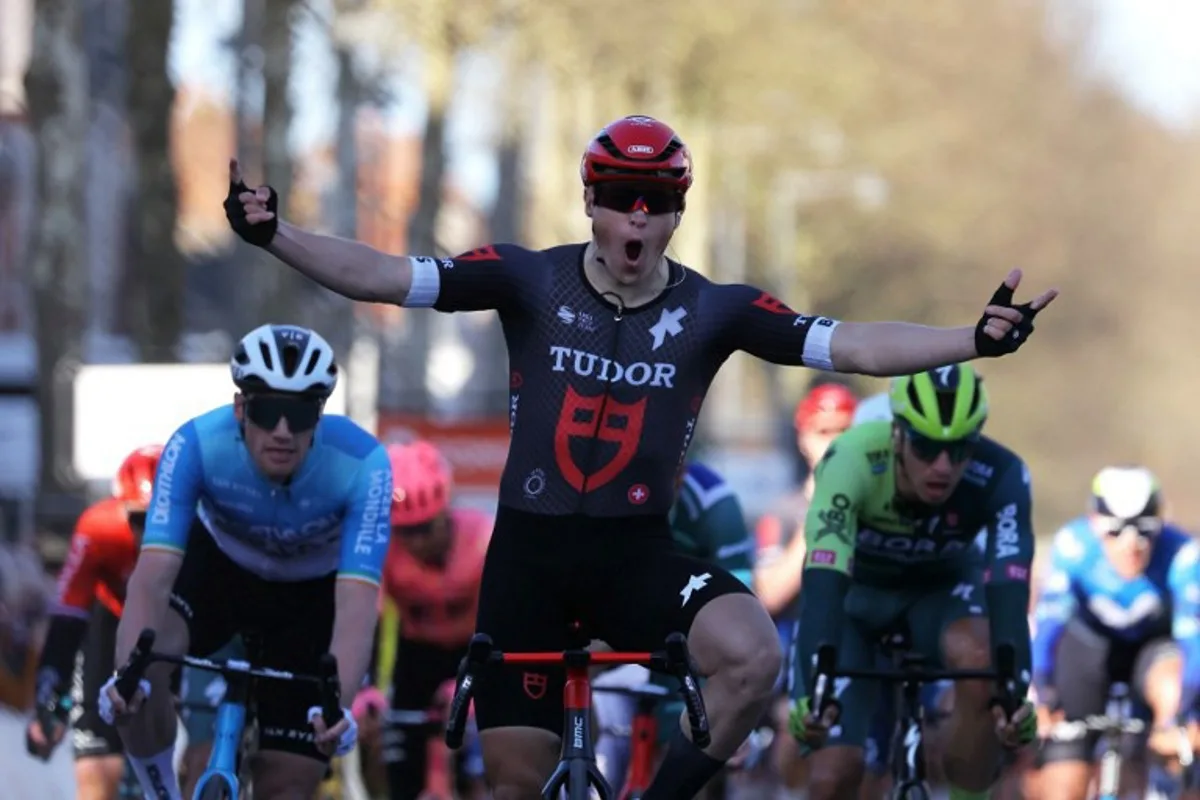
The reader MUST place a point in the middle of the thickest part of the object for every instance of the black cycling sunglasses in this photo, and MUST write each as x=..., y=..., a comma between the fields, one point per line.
x=1146, y=527
x=928, y=450
x=630, y=197
x=265, y=410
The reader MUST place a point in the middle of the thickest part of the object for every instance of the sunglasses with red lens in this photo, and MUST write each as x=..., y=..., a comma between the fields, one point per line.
x=630, y=197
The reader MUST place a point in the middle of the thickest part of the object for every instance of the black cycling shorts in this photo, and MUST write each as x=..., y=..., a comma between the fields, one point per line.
x=91, y=736
x=622, y=578
x=1086, y=665
x=291, y=621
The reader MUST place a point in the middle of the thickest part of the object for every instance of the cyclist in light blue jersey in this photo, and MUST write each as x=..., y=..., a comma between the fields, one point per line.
x=268, y=520
x=1121, y=604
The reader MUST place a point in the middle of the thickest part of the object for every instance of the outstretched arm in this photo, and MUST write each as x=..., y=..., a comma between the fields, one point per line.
x=352, y=269
x=764, y=327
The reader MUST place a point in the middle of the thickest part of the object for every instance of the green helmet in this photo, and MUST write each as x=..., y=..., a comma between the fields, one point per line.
x=943, y=404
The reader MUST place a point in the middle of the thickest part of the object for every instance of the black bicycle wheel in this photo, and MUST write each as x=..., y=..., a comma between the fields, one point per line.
x=218, y=789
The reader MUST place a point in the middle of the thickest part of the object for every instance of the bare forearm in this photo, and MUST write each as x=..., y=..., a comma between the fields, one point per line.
x=354, y=632
x=898, y=348
x=352, y=269
x=146, y=595
x=778, y=582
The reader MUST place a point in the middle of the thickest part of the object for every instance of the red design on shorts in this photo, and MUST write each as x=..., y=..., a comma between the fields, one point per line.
x=534, y=684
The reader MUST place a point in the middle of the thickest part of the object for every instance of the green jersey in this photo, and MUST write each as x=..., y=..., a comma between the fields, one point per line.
x=707, y=522
x=859, y=528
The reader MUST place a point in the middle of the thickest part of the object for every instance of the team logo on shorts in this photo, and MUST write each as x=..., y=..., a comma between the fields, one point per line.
x=580, y=417
x=534, y=684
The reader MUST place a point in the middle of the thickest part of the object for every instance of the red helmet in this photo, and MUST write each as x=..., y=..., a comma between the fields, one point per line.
x=421, y=480
x=825, y=399
x=134, y=481
x=637, y=148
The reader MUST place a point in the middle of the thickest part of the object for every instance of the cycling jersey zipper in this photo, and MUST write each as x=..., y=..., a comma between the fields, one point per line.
x=601, y=415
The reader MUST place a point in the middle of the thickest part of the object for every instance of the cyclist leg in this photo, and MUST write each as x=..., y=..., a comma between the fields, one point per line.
x=1157, y=681
x=836, y=770
x=651, y=591
x=522, y=606
x=787, y=762
x=201, y=692
x=420, y=669
x=877, y=748
x=951, y=623
x=197, y=608
x=99, y=756
x=1082, y=676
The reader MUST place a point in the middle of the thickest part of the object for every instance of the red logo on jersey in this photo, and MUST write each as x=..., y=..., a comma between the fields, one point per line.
x=638, y=493
x=769, y=303
x=534, y=684
x=480, y=254
x=580, y=417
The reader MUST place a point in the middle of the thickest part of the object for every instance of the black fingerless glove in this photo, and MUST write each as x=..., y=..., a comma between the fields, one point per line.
x=259, y=234
x=985, y=345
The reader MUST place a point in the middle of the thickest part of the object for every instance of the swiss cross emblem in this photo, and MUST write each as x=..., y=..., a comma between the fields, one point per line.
x=638, y=494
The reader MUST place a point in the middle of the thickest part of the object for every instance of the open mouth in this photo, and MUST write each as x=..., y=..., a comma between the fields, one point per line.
x=633, y=249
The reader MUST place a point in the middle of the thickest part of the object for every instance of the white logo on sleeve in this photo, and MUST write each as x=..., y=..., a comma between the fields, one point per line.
x=668, y=323
x=695, y=583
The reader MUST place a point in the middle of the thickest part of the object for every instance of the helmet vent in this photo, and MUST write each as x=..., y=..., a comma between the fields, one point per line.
x=945, y=403
x=266, y=355
x=313, y=358
x=291, y=359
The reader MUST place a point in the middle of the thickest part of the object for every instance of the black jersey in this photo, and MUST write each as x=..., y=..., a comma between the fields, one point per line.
x=604, y=400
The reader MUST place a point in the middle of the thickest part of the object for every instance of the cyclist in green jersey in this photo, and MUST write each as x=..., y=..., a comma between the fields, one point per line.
x=890, y=532
x=707, y=523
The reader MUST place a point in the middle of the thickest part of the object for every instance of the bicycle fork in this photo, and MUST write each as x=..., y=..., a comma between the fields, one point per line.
x=227, y=737
x=577, y=771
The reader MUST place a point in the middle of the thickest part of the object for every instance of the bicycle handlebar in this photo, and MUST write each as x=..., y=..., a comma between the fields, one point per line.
x=143, y=655
x=1070, y=730
x=1003, y=673
x=674, y=660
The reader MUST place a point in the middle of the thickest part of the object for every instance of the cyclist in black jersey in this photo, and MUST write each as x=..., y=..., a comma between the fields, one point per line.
x=612, y=347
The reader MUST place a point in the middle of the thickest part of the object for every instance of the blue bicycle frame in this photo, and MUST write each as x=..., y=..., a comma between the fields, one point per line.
x=227, y=742
x=223, y=764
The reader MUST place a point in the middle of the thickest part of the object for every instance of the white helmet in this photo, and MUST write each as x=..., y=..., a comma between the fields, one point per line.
x=284, y=358
x=1126, y=492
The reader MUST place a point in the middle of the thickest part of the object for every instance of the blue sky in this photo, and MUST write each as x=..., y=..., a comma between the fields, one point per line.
x=1148, y=46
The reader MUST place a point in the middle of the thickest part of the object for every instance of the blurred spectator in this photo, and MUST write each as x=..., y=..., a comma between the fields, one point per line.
x=24, y=595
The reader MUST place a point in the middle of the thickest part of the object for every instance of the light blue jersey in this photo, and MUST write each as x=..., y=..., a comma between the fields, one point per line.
x=332, y=515
x=1164, y=601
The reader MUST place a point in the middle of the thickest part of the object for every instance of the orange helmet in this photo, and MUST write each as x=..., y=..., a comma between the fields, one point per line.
x=134, y=480
x=421, y=478
x=828, y=398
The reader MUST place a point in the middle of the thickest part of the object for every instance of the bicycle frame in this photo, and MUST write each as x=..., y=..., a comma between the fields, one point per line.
x=220, y=778
x=908, y=676
x=1113, y=725
x=1108, y=784
x=643, y=736
x=223, y=763
x=577, y=772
